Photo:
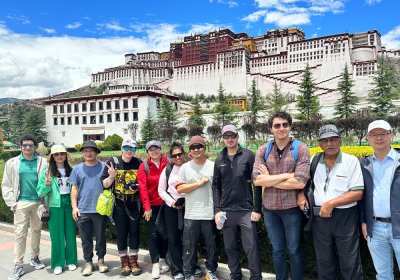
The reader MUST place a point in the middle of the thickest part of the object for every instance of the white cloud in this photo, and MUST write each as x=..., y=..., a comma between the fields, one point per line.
x=391, y=40
x=230, y=3
x=285, y=20
x=73, y=25
x=255, y=16
x=20, y=18
x=113, y=25
x=48, y=30
x=372, y=2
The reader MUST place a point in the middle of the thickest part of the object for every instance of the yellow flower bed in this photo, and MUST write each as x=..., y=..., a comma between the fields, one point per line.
x=358, y=151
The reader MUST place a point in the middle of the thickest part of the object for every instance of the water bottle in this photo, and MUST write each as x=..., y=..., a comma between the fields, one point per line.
x=222, y=219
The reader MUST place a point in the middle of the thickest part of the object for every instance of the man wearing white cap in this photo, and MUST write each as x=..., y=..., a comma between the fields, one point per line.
x=338, y=185
x=380, y=208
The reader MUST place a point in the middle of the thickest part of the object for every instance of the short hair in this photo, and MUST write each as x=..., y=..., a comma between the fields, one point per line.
x=281, y=115
x=176, y=145
x=28, y=138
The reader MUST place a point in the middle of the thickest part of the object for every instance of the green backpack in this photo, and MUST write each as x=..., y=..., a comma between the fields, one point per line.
x=105, y=203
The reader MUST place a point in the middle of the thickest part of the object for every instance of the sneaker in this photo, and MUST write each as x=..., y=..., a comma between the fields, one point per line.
x=189, y=278
x=57, y=270
x=102, y=266
x=179, y=276
x=135, y=268
x=198, y=272
x=125, y=268
x=155, y=272
x=71, y=267
x=164, y=267
x=16, y=273
x=88, y=269
x=211, y=276
x=36, y=263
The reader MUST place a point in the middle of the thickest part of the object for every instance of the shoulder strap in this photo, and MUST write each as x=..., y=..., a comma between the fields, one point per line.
x=295, y=149
x=268, y=150
x=146, y=167
x=116, y=160
x=313, y=167
x=168, y=170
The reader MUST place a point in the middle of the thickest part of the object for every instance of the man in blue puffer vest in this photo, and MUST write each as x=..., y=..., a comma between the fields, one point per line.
x=380, y=207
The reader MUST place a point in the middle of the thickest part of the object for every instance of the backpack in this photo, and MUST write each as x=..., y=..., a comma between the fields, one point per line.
x=105, y=203
x=294, y=149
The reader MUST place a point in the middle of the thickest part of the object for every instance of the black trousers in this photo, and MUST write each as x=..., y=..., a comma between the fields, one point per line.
x=337, y=238
x=241, y=220
x=89, y=224
x=192, y=231
x=124, y=225
x=174, y=240
x=157, y=245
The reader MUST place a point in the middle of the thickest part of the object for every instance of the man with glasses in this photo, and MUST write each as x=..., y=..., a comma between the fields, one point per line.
x=233, y=199
x=86, y=188
x=195, y=179
x=121, y=176
x=282, y=166
x=20, y=179
x=338, y=185
x=380, y=206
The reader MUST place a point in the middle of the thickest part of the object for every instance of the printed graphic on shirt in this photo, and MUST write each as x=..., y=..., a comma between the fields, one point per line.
x=126, y=182
x=64, y=185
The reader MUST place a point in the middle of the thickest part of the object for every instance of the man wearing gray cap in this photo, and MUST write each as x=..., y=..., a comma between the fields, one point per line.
x=380, y=206
x=338, y=185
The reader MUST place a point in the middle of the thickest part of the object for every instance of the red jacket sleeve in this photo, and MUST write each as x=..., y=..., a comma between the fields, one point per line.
x=143, y=188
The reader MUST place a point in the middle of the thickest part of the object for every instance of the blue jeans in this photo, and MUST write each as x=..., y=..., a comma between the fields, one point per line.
x=381, y=246
x=284, y=229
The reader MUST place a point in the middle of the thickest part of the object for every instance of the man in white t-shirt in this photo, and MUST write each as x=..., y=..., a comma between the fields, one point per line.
x=195, y=179
x=338, y=185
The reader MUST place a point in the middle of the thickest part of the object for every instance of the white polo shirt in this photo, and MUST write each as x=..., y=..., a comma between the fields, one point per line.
x=345, y=176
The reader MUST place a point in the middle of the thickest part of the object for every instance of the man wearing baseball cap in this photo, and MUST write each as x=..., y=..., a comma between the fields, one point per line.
x=195, y=179
x=380, y=206
x=233, y=194
x=338, y=185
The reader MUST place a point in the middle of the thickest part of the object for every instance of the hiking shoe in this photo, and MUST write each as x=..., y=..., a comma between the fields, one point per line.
x=125, y=268
x=57, y=270
x=71, y=267
x=211, y=276
x=36, y=263
x=179, y=276
x=190, y=278
x=198, y=272
x=102, y=266
x=155, y=272
x=164, y=267
x=135, y=268
x=16, y=273
x=88, y=269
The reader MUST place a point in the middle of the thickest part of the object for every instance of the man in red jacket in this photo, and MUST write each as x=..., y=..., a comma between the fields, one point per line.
x=148, y=177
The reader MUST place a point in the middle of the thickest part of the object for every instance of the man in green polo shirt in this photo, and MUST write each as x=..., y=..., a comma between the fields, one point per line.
x=20, y=178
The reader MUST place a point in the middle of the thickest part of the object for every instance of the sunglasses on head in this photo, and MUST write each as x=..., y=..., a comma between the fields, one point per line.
x=229, y=136
x=279, y=125
x=28, y=145
x=196, y=147
x=128, y=148
x=177, y=155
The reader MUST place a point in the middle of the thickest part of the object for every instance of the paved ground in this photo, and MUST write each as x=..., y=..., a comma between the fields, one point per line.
x=112, y=260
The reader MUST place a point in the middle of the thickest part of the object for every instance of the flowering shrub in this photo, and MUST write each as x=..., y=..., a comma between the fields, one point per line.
x=358, y=151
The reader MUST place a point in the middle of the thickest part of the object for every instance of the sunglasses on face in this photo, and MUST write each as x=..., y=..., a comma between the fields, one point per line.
x=229, y=136
x=127, y=148
x=177, y=155
x=279, y=125
x=28, y=145
x=196, y=147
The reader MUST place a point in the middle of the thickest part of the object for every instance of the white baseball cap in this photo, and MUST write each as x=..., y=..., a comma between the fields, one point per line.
x=379, y=124
x=58, y=149
x=129, y=142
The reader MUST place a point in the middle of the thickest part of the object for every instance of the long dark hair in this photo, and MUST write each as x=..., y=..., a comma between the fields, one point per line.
x=54, y=170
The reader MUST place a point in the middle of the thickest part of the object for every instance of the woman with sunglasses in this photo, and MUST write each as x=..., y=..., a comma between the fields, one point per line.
x=55, y=186
x=173, y=201
x=120, y=174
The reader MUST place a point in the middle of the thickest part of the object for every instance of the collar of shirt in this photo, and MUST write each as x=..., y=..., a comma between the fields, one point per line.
x=391, y=155
x=21, y=157
x=338, y=159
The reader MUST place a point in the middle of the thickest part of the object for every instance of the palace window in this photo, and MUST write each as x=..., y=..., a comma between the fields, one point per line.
x=92, y=106
x=117, y=117
x=61, y=109
x=69, y=108
x=109, y=118
x=135, y=116
x=126, y=117
x=125, y=103
x=76, y=107
x=84, y=107
x=108, y=105
x=54, y=109
x=101, y=119
x=62, y=121
x=84, y=120
x=69, y=120
x=92, y=119
x=100, y=105
x=116, y=103
x=134, y=103
x=76, y=120
x=55, y=121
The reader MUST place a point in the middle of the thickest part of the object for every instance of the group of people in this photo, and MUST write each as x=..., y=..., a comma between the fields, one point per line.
x=195, y=197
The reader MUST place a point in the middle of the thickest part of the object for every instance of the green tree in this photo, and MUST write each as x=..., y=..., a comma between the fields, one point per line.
x=147, y=128
x=167, y=118
x=386, y=88
x=113, y=142
x=196, y=118
x=345, y=106
x=256, y=102
x=35, y=124
x=223, y=111
x=308, y=103
x=276, y=101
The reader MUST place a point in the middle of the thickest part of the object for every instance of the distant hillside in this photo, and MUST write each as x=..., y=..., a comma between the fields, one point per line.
x=82, y=91
x=8, y=100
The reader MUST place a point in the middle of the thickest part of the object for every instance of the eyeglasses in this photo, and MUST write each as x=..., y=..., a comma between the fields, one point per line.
x=177, y=155
x=28, y=145
x=377, y=135
x=128, y=148
x=196, y=147
x=229, y=136
x=279, y=125
x=58, y=154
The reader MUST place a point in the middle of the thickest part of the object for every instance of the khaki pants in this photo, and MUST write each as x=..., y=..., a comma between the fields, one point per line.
x=25, y=214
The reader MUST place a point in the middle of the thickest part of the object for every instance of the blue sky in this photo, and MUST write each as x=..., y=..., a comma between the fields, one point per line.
x=48, y=47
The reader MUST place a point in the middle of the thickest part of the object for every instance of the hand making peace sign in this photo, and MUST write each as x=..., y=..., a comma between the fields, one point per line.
x=112, y=172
